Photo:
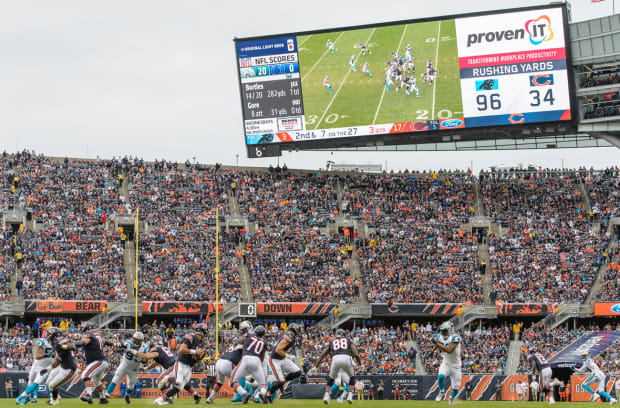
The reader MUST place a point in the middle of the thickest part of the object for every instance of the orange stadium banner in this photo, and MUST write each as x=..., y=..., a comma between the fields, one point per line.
x=64, y=306
x=294, y=308
x=577, y=392
x=607, y=309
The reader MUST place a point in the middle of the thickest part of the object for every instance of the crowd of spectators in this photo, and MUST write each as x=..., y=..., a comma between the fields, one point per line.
x=418, y=251
x=415, y=249
x=550, y=252
x=604, y=78
x=610, y=291
x=483, y=349
x=382, y=349
x=178, y=250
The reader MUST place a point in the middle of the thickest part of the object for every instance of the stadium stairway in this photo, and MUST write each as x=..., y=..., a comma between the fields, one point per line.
x=565, y=312
x=513, y=358
x=599, y=281
x=356, y=274
x=483, y=248
x=247, y=291
x=473, y=312
x=129, y=261
x=347, y=312
x=585, y=197
x=420, y=369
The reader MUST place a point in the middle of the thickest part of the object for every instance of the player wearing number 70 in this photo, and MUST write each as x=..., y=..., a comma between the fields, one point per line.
x=341, y=350
x=254, y=348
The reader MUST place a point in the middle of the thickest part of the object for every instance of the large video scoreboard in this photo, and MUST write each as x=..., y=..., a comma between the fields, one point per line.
x=417, y=77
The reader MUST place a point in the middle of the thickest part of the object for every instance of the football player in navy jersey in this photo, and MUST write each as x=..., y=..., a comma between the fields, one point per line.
x=282, y=362
x=254, y=348
x=163, y=357
x=96, y=362
x=63, y=367
x=341, y=350
x=229, y=360
x=191, y=352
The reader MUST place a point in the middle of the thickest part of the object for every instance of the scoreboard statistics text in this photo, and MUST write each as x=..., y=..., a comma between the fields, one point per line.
x=494, y=69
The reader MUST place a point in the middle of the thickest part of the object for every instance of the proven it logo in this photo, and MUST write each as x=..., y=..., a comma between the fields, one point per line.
x=539, y=29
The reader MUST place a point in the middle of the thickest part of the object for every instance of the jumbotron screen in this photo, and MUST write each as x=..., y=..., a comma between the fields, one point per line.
x=492, y=69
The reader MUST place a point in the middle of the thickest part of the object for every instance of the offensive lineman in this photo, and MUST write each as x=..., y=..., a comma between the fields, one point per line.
x=63, y=367
x=341, y=350
x=163, y=356
x=254, y=348
x=281, y=362
x=39, y=370
x=190, y=352
x=129, y=365
x=225, y=365
x=450, y=344
x=96, y=362
x=596, y=375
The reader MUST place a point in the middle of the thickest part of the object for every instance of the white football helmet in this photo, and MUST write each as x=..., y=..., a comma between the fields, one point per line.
x=245, y=326
x=138, y=338
x=446, y=328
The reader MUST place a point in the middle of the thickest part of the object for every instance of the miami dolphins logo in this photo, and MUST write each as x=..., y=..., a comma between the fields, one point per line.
x=539, y=29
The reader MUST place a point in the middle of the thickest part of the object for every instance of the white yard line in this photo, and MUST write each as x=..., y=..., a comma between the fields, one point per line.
x=319, y=60
x=343, y=81
x=383, y=89
x=436, y=72
x=305, y=39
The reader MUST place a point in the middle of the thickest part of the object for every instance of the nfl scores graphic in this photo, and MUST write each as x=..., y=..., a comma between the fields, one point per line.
x=485, y=70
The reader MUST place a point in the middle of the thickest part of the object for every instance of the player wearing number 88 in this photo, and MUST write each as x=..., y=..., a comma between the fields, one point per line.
x=341, y=350
x=254, y=348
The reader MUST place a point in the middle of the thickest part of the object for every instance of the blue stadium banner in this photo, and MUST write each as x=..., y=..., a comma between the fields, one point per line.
x=594, y=342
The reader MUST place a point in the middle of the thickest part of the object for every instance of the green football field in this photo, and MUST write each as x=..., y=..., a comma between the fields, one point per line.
x=358, y=99
x=75, y=403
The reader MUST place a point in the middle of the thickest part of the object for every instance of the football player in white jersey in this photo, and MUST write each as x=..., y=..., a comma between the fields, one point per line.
x=326, y=84
x=596, y=376
x=365, y=69
x=330, y=46
x=40, y=369
x=352, y=62
x=129, y=365
x=450, y=344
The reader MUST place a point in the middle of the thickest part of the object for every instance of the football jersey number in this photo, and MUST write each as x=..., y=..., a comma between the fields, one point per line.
x=256, y=346
x=541, y=358
x=340, y=344
x=166, y=352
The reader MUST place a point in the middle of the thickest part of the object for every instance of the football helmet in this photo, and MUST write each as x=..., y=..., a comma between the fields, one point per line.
x=202, y=329
x=259, y=331
x=138, y=338
x=51, y=333
x=340, y=333
x=294, y=329
x=446, y=329
x=245, y=326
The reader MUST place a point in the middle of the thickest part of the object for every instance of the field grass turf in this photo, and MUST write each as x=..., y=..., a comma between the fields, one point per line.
x=358, y=99
x=186, y=402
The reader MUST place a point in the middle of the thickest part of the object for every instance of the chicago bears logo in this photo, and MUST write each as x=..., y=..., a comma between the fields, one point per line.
x=541, y=80
x=516, y=118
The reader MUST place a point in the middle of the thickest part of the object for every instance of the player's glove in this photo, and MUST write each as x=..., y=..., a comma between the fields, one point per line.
x=291, y=357
x=64, y=347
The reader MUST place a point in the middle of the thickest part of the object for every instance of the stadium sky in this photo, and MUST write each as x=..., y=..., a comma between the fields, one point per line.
x=157, y=79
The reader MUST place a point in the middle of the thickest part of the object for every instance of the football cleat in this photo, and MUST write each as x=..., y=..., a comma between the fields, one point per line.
x=196, y=398
x=440, y=396
x=127, y=399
